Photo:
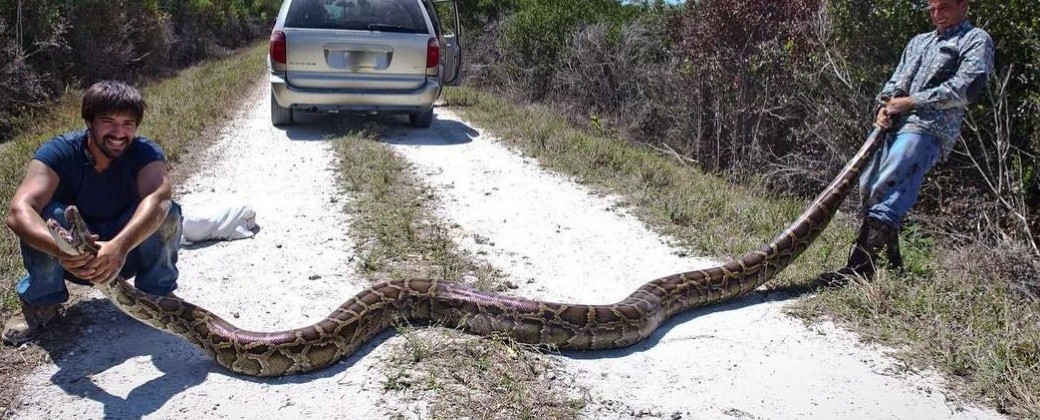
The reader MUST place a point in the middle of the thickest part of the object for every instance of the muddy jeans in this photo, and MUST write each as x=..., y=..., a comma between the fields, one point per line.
x=153, y=262
x=890, y=184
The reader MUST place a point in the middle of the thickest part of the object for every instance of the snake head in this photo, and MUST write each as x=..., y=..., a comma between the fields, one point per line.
x=77, y=225
x=75, y=240
x=62, y=237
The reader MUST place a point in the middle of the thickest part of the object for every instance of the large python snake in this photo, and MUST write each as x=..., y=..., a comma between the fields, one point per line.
x=563, y=325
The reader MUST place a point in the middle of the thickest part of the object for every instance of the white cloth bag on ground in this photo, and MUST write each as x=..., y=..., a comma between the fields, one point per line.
x=217, y=223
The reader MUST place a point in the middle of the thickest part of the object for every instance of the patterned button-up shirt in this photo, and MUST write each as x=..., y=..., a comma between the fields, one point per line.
x=942, y=72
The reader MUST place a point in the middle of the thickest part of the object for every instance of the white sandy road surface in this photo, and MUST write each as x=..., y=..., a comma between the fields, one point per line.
x=549, y=235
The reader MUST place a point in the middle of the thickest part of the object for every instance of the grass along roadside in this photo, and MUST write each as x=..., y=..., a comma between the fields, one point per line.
x=953, y=310
x=398, y=237
x=701, y=213
x=184, y=114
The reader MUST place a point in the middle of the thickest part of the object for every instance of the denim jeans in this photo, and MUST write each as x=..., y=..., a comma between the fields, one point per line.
x=153, y=262
x=891, y=182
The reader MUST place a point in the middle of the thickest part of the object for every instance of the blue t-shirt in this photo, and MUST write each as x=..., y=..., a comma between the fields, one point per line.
x=100, y=196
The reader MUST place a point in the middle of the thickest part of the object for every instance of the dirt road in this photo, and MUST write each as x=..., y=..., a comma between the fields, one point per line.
x=552, y=237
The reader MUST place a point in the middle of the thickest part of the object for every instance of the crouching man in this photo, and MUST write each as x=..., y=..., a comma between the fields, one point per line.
x=119, y=183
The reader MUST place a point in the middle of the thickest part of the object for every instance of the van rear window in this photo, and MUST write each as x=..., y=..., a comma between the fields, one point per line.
x=365, y=15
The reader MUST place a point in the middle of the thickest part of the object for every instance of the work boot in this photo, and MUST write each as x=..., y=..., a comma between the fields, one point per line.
x=873, y=236
x=895, y=258
x=26, y=323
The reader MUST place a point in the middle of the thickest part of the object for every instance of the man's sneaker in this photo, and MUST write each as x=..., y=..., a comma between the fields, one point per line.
x=25, y=324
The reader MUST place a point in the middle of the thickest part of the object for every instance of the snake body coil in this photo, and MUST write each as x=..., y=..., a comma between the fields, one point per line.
x=564, y=325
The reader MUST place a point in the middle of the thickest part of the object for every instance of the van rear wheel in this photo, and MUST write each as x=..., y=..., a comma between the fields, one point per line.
x=422, y=119
x=280, y=116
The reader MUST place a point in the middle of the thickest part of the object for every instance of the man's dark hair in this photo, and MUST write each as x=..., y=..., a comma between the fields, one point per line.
x=111, y=97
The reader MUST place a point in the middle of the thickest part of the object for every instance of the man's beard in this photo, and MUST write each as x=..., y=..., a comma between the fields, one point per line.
x=103, y=146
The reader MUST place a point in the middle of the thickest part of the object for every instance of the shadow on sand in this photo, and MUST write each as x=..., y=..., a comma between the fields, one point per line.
x=88, y=357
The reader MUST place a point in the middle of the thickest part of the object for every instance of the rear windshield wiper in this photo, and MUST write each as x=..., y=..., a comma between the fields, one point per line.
x=390, y=28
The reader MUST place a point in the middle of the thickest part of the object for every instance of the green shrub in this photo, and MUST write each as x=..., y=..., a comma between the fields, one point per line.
x=48, y=45
x=537, y=31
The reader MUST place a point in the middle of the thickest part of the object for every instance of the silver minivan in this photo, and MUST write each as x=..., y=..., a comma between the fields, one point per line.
x=368, y=56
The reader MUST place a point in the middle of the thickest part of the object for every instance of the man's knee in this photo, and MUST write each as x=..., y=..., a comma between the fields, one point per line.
x=174, y=216
x=172, y=225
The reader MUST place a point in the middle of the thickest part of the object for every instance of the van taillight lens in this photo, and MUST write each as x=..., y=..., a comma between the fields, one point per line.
x=277, y=47
x=433, y=53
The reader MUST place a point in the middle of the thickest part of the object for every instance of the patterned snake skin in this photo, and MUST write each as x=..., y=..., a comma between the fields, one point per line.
x=564, y=325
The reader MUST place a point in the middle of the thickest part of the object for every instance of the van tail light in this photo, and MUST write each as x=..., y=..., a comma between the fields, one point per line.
x=277, y=47
x=433, y=53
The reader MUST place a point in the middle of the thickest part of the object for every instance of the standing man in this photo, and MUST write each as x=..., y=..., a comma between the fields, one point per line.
x=922, y=106
x=118, y=181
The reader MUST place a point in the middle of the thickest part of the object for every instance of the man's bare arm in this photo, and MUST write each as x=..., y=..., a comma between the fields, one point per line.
x=37, y=189
x=35, y=192
x=155, y=189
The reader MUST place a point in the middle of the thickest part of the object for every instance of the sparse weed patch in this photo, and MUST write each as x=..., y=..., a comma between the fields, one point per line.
x=398, y=237
x=480, y=377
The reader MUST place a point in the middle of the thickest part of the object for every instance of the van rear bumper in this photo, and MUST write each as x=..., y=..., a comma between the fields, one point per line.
x=289, y=96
